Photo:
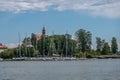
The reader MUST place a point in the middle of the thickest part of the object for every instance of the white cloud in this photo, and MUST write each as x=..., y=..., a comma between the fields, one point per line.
x=13, y=45
x=22, y=5
x=111, y=10
x=107, y=8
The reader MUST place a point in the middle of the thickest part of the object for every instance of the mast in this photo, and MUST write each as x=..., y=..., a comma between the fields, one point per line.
x=71, y=55
x=19, y=46
x=36, y=47
x=52, y=45
x=26, y=44
x=43, y=45
x=58, y=50
x=66, y=36
x=43, y=34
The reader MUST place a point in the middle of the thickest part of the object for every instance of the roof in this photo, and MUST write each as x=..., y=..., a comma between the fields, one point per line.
x=3, y=46
x=38, y=36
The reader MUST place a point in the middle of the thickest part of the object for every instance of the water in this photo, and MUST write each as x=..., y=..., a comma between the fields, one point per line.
x=98, y=69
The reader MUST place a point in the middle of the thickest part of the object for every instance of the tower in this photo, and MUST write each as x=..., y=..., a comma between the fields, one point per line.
x=43, y=31
x=43, y=34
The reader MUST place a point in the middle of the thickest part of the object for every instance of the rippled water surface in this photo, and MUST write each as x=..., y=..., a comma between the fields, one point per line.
x=95, y=69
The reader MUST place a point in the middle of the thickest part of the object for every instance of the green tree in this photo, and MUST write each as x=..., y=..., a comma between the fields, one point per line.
x=27, y=41
x=33, y=40
x=56, y=45
x=65, y=45
x=114, y=46
x=99, y=44
x=43, y=45
x=27, y=49
x=7, y=54
x=84, y=39
x=106, y=49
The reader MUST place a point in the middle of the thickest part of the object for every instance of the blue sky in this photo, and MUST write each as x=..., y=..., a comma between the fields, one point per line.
x=101, y=17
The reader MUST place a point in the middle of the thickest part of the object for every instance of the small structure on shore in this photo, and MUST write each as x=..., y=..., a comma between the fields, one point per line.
x=2, y=47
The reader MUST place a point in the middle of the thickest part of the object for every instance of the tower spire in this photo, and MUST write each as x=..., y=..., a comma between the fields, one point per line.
x=43, y=31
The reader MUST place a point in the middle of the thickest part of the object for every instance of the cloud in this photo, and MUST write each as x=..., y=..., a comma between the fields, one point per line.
x=17, y=6
x=13, y=45
x=105, y=8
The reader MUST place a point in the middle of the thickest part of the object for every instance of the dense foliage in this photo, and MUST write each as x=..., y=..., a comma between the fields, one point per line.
x=84, y=39
x=8, y=54
x=62, y=46
x=56, y=45
x=114, y=46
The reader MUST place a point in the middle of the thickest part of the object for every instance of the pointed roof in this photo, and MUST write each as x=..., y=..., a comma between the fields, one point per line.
x=44, y=31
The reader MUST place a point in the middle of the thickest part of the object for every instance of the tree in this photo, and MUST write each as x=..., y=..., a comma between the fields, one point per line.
x=43, y=45
x=7, y=54
x=33, y=40
x=114, y=46
x=100, y=44
x=106, y=49
x=56, y=45
x=84, y=39
x=27, y=41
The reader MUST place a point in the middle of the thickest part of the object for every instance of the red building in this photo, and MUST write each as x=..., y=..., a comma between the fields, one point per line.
x=38, y=36
x=2, y=47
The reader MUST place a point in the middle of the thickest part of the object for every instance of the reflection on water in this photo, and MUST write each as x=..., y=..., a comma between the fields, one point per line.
x=103, y=69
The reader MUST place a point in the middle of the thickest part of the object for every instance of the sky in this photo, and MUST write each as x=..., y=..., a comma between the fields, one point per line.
x=100, y=17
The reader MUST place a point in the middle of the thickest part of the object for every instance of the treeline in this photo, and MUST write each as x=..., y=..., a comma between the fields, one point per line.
x=62, y=46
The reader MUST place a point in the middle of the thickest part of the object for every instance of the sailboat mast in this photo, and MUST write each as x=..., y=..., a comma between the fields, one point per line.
x=43, y=45
x=44, y=35
x=66, y=44
x=19, y=36
x=26, y=43
x=52, y=45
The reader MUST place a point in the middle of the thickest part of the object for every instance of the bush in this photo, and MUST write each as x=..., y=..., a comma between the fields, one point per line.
x=7, y=54
x=89, y=55
x=78, y=55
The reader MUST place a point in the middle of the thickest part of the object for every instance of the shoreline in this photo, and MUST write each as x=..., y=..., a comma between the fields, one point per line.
x=43, y=59
x=58, y=58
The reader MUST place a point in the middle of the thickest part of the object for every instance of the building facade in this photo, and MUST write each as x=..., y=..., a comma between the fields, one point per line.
x=2, y=47
x=38, y=36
